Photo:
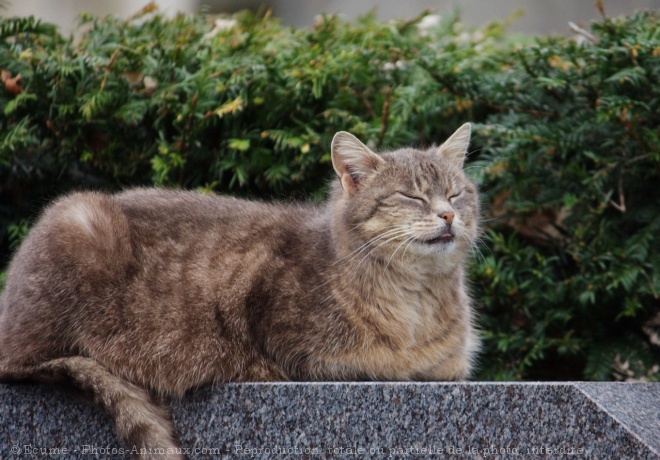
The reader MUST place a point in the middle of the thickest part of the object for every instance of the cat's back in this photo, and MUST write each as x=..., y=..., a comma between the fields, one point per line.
x=187, y=208
x=104, y=234
x=200, y=225
x=154, y=238
x=94, y=259
x=90, y=227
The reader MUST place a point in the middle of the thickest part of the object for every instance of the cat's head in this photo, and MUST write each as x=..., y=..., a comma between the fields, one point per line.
x=406, y=203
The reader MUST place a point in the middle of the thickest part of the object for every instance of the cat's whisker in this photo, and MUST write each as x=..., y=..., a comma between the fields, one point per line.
x=356, y=253
x=371, y=241
x=457, y=165
x=467, y=154
x=474, y=247
x=383, y=243
x=480, y=255
x=394, y=234
x=462, y=170
x=410, y=238
x=480, y=243
x=454, y=171
x=491, y=219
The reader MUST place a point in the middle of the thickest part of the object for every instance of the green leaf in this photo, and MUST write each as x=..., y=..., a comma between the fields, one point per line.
x=242, y=145
x=10, y=27
x=18, y=101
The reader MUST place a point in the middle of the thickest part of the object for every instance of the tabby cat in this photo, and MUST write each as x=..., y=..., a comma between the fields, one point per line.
x=138, y=297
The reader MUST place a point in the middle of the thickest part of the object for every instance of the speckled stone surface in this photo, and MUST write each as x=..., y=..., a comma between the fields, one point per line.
x=331, y=420
x=635, y=405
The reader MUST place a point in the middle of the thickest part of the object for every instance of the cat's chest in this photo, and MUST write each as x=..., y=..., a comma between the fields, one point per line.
x=412, y=329
x=402, y=327
x=421, y=320
x=406, y=315
x=416, y=310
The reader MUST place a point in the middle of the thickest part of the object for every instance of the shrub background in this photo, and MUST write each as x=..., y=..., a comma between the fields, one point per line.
x=566, y=149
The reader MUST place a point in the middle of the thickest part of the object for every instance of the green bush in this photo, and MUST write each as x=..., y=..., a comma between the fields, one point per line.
x=566, y=148
x=571, y=158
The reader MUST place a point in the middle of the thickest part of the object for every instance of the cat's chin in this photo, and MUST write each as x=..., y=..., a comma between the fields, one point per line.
x=436, y=245
x=441, y=240
x=444, y=241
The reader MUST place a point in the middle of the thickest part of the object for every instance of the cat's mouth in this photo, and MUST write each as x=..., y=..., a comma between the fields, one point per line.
x=444, y=238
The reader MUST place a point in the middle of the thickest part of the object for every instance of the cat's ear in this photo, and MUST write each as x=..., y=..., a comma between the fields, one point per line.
x=352, y=160
x=455, y=148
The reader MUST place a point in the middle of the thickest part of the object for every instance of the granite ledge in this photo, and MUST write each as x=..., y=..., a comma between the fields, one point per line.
x=330, y=420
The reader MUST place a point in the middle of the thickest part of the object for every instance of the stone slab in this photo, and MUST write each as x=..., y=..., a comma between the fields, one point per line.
x=635, y=405
x=370, y=420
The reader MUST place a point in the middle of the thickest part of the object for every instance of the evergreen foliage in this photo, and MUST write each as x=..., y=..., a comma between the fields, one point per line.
x=571, y=157
x=566, y=148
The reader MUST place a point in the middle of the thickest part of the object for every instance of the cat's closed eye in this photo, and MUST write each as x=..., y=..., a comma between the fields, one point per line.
x=412, y=197
x=454, y=196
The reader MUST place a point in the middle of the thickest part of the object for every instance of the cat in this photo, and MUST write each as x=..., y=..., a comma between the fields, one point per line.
x=141, y=296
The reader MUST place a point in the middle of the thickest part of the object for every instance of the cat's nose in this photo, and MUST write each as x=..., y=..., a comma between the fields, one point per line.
x=448, y=216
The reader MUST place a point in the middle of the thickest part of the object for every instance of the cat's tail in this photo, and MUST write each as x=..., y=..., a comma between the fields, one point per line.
x=143, y=424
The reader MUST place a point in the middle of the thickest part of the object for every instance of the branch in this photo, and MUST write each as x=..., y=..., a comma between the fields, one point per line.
x=109, y=67
x=525, y=64
x=446, y=84
x=601, y=8
x=534, y=75
x=365, y=102
x=580, y=31
x=621, y=205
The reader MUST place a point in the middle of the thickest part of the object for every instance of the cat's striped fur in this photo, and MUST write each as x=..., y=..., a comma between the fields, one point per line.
x=141, y=296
